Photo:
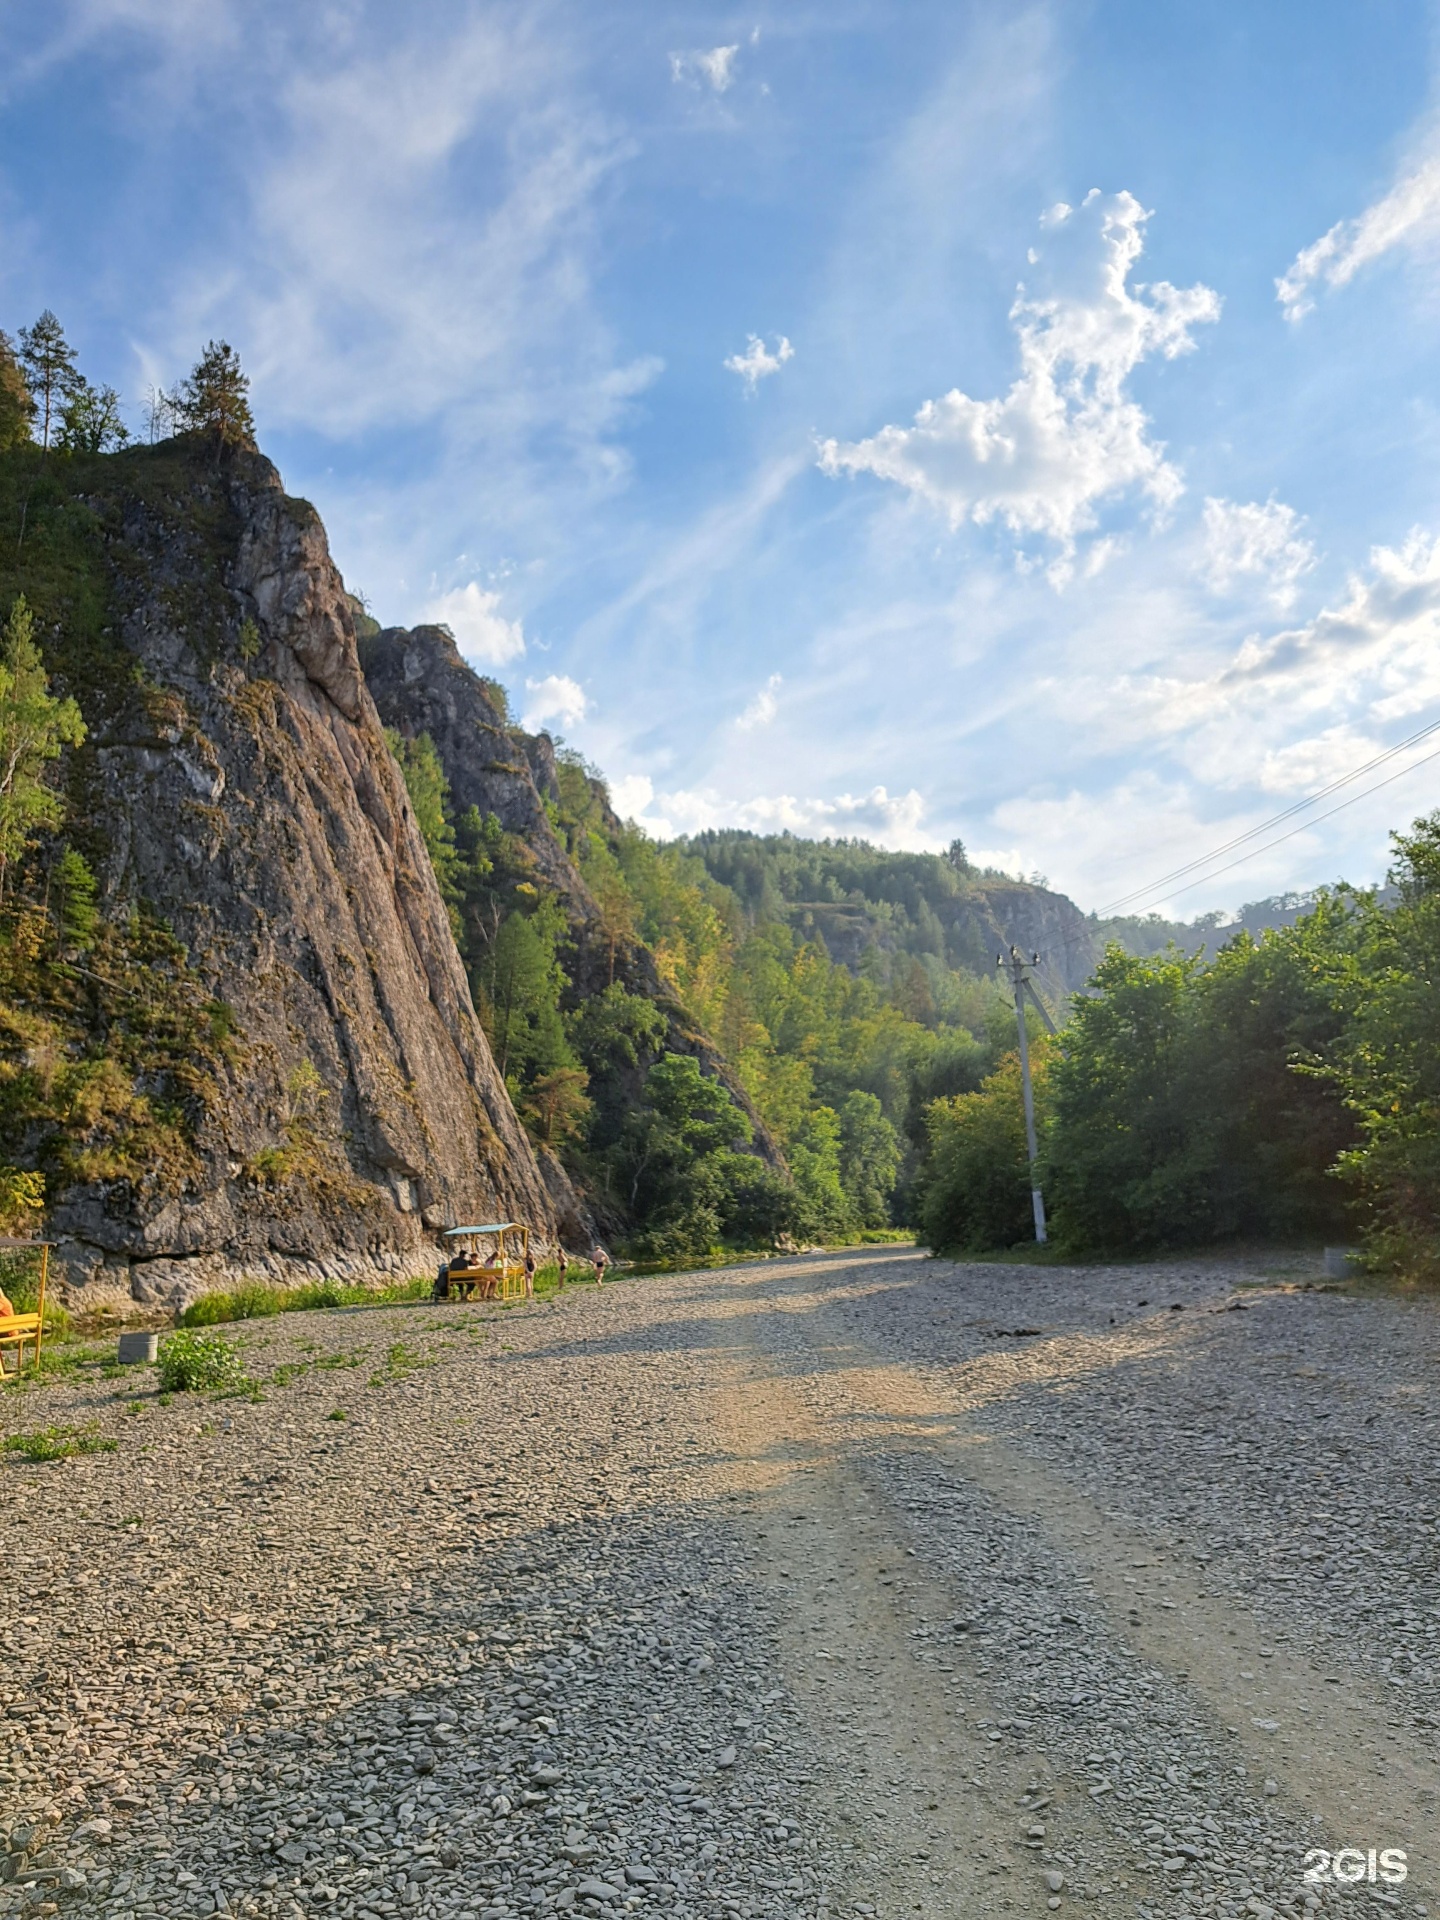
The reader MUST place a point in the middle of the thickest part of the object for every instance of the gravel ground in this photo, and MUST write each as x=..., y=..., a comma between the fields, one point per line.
x=848, y=1584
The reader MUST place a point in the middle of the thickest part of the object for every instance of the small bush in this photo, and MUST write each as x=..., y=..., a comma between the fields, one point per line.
x=56, y=1443
x=199, y=1362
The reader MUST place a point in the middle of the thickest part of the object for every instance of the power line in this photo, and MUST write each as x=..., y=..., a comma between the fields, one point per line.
x=1304, y=826
x=1287, y=813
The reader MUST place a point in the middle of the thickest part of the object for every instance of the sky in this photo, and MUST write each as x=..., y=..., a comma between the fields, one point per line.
x=913, y=421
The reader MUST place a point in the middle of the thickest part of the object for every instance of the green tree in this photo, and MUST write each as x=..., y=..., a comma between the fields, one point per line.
x=1124, y=1168
x=74, y=890
x=974, y=1189
x=215, y=397
x=49, y=363
x=680, y=1172
x=615, y=1029
x=1388, y=1063
x=611, y=893
x=34, y=728
x=520, y=982
x=90, y=419
x=17, y=408
x=429, y=793
x=870, y=1157
x=825, y=1209
x=555, y=1106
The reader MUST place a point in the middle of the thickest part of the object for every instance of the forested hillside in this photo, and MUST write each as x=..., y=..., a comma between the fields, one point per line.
x=727, y=1040
x=1285, y=1087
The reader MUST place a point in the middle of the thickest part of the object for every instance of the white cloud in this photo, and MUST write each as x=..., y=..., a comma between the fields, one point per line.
x=482, y=633
x=764, y=707
x=631, y=795
x=1380, y=646
x=714, y=69
x=1067, y=435
x=1305, y=765
x=890, y=819
x=1256, y=540
x=757, y=363
x=1296, y=701
x=556, y=697
x=1407, y=216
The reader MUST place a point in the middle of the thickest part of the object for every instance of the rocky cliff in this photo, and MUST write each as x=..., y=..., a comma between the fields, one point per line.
x=1013, y=912
x=422, y=685
x=236, y=784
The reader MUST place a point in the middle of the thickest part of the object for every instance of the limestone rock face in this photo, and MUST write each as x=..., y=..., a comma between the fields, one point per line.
x=1036, y=920
x=421, y=684
x=251, y=801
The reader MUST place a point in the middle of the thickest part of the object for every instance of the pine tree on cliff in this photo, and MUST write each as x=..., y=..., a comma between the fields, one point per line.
x=90, y=420
x=17, y=409
x=49, y=363
x=216, y=397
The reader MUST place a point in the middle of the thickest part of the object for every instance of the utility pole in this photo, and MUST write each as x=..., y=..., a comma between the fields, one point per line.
x=1019, y=970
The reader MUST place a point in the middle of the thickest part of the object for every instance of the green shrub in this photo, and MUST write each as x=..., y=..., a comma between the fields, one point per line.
x=56, y=1443
x=252, y=1301
x=199, y=1362
x=256, y=1301
x=975, y=1185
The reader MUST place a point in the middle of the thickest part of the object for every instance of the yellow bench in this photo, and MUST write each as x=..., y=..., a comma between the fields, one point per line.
x=18, y=1329
x=15, y=1330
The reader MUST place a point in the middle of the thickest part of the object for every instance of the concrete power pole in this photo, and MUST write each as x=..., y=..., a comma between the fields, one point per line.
x=1019, y=970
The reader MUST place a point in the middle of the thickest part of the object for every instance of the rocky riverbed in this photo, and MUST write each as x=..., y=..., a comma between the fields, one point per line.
x=856, y=1583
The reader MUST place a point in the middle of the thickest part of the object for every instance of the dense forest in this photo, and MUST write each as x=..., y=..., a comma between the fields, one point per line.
x=1285, y=1087
x=839, y=1062
x=1260, y=1085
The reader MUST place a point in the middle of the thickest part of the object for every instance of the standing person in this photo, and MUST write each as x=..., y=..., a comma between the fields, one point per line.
x=600, y=1260
x=529, y=1271
x=562, y=1262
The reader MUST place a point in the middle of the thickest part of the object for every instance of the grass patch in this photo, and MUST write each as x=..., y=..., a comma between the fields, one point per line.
x=297, y=1369
x=200, y=1363
x=399, y=1362
x=255, y=1301
x=56, y=1443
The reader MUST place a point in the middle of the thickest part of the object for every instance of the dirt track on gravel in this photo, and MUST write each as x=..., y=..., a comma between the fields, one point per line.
x=852, y=1583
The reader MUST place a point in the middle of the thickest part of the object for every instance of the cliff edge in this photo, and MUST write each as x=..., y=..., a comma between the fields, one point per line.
x=236, y=785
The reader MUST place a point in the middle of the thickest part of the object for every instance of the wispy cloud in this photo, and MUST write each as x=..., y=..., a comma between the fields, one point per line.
x=1244, y=542
x=713, y=68
x=1407, y=217
x=757, y=363
x=481, y=631
x=764, y=707
x=1067, y=435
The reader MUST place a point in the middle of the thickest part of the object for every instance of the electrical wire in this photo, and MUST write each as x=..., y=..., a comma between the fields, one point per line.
x=1305, y=825
x=1151, y=890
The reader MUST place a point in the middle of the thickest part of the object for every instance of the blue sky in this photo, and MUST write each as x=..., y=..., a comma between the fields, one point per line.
x=913, y=420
